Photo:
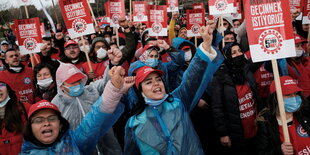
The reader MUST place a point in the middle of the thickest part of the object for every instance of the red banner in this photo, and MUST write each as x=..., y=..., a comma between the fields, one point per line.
x=106, y=8
x=220, y=7
x=157, y=20
x=270, y=32
x=117, y=10
x=139, y=11
x=172, y=5
x=195, y=19
x=77, y=17
x=28, y=35
x=306, y=12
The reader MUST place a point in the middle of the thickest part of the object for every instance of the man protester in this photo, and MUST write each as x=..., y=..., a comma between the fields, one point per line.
x=48, y=54
x=18, y=76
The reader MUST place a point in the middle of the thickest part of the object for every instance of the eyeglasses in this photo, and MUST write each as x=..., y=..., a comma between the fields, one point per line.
x=40, y=120
x=71, y=48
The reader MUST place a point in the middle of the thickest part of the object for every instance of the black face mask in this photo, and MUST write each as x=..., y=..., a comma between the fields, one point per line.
x=238, y=62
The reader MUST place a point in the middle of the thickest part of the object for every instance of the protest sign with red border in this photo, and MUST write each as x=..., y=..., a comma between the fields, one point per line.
x=157, y=20
x=306, y=13
x=219, y=7
x=106, y=8
x=172, y=5
x=117, y=10
x=77, y=17
x=270, y=32
x=28, y=35
x=195, y=20
x=139, y=11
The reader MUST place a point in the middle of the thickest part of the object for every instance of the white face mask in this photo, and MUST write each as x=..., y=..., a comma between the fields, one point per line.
x=108, y=40
x=188, y=55
x=299, y=53
x=87, y=48
x=45, y=83
x=74, y=61
x=16, y=69
x=222, y=29
x=4, y=102
x=101, y=53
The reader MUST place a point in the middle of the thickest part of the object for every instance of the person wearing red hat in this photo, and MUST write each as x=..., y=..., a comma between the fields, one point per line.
x=73, y=54
x=160, y=122
x=13, y=119
x=48, y=132
x=270, y=135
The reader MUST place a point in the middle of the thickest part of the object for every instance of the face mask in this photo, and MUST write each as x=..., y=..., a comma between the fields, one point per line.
x=292, y=104
x=101, y=53
x=239, y=61
x=299, y=53
x=74, y=61
x=87, y=48
x=16, y=69
x=45, y=83
x=76, y=90
x=188, y=55
x=4, y=102
x=151, y=62
x=151, y=102
x=108, y=40
x=222, y=29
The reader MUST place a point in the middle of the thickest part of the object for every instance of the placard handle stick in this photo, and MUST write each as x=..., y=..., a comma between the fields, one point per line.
x=130, y=10
x=280, y=100
x=117, y=36
x=86, y=54
x=92, y=13
x=222, y=25
x=31, y=55
x=196, y=41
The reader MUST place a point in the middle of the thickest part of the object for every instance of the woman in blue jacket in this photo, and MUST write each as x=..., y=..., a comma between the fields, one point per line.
x=47, y=132
x=161, y=122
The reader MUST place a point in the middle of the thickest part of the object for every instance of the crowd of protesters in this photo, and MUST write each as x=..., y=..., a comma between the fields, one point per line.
x=152, y=95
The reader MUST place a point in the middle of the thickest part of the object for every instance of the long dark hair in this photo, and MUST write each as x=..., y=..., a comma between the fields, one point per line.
x=14, y=111
x=28, y=135
x=92, y=53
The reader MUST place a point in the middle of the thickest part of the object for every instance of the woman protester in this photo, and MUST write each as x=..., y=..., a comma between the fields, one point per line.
x=270, y=135
x=160, y=123
x=13, y=118
x=45, y=83
x=47, y=132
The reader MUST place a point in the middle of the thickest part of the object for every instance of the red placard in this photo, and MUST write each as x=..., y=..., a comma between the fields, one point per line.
x=139, y=11
x=28, y=35
x=195, y=19
x=172, y=5
x=220, y=7
x=270, y=29
x=106, y=8
x=117, y=10
x=157, y=20
x=306, y=12
x=77, y=17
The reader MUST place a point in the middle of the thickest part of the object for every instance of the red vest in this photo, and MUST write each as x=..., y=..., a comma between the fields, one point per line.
x=98, y=68
x=263, y=80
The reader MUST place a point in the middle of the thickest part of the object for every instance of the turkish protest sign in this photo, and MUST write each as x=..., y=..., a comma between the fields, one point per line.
x=157, y=20
x=117, y=10
x=195, y=20
x=219, y=7
x=106, y=9
x=295, y=4
x=306, y=13
x=28, y=34
x=172, y=5
x=139, y=11
x=237, y=14
x=77, y=17
x=270, y=32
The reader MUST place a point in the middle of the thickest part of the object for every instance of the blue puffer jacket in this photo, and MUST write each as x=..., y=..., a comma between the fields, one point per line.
x=167, y=128
x=84, y=138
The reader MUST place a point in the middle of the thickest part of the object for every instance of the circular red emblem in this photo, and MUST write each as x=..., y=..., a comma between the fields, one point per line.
x=140, y=15
x=30, y=43
x=157, y=27
x=115, y=18
x=79, y=25
x=270, y=41
x=221, y=5
x=172, y=7
x=195, y=28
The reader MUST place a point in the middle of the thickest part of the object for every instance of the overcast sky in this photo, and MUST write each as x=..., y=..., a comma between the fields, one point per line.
x=16, y=3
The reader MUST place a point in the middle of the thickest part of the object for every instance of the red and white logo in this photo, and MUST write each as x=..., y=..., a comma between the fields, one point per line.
x=270, y=41
x=140, y=15
x=30, y=44
x=195, y=28
x=115, y=18
x=221, y=5
x=157, y=27
x=79, y=25
x=302, y=132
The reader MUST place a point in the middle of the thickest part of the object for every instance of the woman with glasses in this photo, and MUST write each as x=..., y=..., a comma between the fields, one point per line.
x=47, y=132
x=13, y=118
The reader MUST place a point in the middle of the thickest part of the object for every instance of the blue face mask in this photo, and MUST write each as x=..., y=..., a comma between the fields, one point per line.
x=151, y=102
x=151, y=62
x=5, y=101
x=76, y=90
x=292, y=104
